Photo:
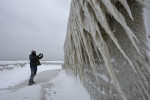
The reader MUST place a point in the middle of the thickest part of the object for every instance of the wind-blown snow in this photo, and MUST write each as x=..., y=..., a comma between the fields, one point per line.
x=68, y=88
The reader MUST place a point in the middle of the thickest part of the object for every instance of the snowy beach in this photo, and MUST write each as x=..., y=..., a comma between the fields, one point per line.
x=52, y=83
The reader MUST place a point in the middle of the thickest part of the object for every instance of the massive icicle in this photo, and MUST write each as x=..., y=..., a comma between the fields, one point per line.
x=93, y=49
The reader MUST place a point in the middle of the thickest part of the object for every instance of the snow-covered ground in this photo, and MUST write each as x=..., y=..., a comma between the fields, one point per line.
x=67, y=88
x=14, y=72
x=61, y=87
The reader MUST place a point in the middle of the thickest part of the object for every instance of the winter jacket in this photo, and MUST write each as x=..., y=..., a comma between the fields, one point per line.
x=34, y=59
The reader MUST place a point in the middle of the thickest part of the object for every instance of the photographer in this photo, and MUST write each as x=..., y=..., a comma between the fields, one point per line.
x=34, y=62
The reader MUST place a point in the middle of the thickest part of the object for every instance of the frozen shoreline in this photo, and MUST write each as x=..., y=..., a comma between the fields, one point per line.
x=52, y=83
x=13, y=75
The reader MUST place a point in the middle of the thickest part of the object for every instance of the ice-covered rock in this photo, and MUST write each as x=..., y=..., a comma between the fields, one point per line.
x=99, y=31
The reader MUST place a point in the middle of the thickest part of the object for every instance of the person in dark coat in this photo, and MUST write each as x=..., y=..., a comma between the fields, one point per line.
x=34, y=62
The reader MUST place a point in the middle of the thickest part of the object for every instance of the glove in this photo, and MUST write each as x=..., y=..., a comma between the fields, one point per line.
x=40, y=55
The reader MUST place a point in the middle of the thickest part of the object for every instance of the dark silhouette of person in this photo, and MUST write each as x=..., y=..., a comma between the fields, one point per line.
x=34, y=62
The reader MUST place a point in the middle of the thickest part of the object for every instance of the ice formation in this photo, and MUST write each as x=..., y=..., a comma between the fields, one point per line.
x=91, y=44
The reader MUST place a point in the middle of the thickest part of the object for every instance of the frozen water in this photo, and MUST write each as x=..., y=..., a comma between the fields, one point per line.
x=99, y=30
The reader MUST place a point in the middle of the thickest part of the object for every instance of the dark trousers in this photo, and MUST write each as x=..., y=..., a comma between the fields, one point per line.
x=33, y=73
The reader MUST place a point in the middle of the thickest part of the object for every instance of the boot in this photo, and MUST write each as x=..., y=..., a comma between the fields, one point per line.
x=33, y=82
x=30, y=84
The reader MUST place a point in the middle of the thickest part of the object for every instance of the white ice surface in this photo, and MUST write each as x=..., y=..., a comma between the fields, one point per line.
x=9, y=78
x=65, y=86
x=12, y=62
x=68, y=88
x=26, y=93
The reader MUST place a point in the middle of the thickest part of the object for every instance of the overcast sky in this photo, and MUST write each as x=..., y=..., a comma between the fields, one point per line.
x=27, y=25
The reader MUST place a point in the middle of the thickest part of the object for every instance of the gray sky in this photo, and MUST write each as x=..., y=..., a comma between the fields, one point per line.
x=27, y=25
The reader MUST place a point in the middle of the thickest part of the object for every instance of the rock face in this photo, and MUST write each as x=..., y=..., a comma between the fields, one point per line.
x=106, y=46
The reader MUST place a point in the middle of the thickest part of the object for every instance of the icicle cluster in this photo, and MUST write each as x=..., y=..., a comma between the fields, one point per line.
x=88, y=27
